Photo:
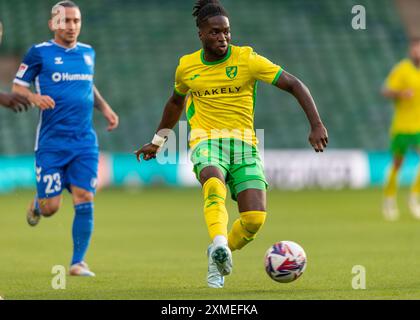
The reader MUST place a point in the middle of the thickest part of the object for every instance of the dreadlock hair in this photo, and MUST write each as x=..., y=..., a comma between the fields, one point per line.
x=205, y=9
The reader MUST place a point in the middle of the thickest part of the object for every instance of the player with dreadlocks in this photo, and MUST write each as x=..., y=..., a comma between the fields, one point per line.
x=218, y=85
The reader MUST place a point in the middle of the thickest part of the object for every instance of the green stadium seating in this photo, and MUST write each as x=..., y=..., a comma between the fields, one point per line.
x=138, y=44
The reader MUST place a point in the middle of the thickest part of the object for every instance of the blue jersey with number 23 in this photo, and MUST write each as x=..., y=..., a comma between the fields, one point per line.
x=66, y=75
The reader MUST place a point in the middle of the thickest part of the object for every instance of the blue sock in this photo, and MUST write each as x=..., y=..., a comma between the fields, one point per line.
x=37, y=210
x=82, y=230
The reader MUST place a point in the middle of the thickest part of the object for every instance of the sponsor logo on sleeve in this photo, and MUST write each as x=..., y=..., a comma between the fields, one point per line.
x=22, y=70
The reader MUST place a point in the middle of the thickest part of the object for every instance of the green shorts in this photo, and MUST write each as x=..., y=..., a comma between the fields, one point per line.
x=239, y=162
x=400, y=143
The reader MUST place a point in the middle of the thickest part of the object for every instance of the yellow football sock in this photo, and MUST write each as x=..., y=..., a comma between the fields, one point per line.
x=391, y=183
x=245, y=229
x=415, y=187
x=215, y=212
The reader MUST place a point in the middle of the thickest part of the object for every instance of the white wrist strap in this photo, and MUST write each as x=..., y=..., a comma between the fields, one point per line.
x=158, y=140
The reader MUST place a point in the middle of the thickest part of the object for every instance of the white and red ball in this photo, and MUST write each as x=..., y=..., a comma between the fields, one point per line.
x=285, y=261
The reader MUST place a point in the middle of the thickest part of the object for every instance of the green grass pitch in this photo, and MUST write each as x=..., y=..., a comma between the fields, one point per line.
x=151, y=244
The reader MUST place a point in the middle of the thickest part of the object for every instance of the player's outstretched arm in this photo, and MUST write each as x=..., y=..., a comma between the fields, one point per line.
x=43, y=102
x=104, y=107
x=394, y=94
x=318, y=138
x=171, y=115
x=15, y=102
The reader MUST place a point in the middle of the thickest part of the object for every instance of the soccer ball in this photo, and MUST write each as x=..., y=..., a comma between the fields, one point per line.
x=285, y=261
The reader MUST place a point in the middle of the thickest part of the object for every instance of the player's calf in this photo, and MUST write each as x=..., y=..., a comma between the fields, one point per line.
x=42, y=208
x=245, y=229
x=82, y=231
x=215, y=213
x=48, y=207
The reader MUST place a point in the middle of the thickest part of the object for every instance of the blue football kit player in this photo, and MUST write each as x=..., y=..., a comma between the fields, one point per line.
x=66, y=146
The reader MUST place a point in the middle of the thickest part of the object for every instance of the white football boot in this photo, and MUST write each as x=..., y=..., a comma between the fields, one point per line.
x=32, y=216
x=80, y=269
x=414, y=205
x=214, y=278
x=222, y=256
x=390, y=209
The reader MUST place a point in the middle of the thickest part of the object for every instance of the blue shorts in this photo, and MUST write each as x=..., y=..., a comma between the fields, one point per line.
x=56, y=170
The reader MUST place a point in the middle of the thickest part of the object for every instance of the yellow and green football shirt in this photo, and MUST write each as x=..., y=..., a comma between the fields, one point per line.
x=405, y=76
x=221, y=94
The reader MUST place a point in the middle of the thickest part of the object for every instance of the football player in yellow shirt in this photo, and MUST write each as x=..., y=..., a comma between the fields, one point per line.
x=218, y=85
x=403, y=87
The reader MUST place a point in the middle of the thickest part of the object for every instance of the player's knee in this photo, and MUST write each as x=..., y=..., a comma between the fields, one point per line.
x=214, y=191
x=397, y=165
x=398, y=162
x=209, y=173
x=252, y=221
x=83, y=197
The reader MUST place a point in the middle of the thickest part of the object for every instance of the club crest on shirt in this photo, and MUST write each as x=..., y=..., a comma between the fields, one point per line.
x=88, y=59
x=232, y=72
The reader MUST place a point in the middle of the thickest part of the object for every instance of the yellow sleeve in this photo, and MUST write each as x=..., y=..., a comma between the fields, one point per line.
x=180, y=87
x=395, y=79
x=263, y=69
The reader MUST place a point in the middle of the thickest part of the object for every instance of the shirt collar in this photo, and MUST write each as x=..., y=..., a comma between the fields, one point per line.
x=65, y=48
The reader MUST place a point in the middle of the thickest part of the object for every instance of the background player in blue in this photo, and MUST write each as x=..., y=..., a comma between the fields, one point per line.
x=66, y=147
